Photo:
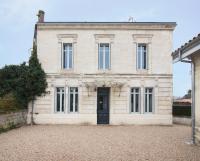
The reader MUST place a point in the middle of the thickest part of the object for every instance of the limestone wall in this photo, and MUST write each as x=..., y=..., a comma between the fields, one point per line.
x=13, y=119
x=44, y=107
x=197, y=95
x=123, y=41
x=123, y=50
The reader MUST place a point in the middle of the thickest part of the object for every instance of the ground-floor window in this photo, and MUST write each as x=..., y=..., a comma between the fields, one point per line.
x=148, y=100
x=60, y=99
x=73, y=99
x=135, y=99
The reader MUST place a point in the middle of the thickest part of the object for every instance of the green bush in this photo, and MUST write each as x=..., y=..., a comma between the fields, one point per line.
x=8, y=104
x=181, y=111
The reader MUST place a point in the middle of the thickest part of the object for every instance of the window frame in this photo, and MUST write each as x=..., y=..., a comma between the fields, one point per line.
x=104, y=56
x=55, y=106
x=152, y=100
x=74, y=98
x=63, y=53
x=139, y=100
x=139, y=64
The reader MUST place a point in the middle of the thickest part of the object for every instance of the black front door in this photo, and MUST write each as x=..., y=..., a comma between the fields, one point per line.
x=103, y=106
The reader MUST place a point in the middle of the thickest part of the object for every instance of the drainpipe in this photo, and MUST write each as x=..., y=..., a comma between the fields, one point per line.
x=193, y=96
x=193, y=102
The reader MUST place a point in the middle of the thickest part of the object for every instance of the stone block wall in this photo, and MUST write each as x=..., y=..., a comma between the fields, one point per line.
x=197, y=95
x=13, y=119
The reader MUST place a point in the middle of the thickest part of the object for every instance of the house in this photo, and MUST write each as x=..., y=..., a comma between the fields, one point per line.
x=105, y=72
x=190, y=53
x=182, y=101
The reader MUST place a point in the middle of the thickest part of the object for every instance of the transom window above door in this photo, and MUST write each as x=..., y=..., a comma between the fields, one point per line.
x=67, y=56
x=104, y=56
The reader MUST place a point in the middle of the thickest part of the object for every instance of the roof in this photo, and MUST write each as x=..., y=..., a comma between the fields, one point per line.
x=107, y=25
x=183, y=51
x=182, y=102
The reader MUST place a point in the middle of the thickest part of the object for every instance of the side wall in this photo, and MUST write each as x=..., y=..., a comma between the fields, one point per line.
x=197, y=95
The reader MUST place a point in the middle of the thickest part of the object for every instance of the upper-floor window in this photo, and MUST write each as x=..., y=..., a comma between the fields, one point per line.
x=148, y=100
x=142, y=56
x=104, y=56
x=135, y=99
x=73, y=99
x=60, y=99
x=67, y=56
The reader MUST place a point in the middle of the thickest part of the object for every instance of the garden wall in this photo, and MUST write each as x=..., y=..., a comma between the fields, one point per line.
x=13, y=119
x=182, y=114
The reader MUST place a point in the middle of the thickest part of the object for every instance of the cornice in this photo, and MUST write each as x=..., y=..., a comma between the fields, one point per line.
x=108, y=26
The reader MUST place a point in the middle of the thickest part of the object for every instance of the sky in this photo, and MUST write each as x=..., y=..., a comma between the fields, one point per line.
x=17, y=19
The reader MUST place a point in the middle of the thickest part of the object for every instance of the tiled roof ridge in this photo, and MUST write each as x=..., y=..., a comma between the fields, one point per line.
x=187, y=43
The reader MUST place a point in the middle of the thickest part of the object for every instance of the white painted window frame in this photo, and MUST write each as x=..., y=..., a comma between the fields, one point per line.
x=104, y=57
x=55, y=108
x=147, y=93
x=63, y=61
x=74, y=99
x=139, y=52
x=134, y=94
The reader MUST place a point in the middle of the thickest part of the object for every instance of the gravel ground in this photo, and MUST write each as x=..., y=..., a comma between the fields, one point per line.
x=62, y=142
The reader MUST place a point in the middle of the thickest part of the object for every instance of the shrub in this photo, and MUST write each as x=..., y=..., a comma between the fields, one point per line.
x=181, y=111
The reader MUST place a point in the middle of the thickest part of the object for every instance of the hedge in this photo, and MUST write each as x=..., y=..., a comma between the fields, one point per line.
x=9, y=104
x=181, y=111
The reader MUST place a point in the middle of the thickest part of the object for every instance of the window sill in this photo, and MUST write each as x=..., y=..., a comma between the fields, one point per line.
x=142, y=71
x=73, y=112
x=102, y=71
x=64, y=113
x=67, y=70
x=135, y=113
x=149, y=113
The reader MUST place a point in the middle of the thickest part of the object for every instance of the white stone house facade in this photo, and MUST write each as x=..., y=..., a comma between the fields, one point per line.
x=105, y=72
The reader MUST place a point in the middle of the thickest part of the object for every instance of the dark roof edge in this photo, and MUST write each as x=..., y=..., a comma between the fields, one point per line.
x=187, y=46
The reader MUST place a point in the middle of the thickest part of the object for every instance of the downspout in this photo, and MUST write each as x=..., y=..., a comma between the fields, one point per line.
x=193, y=102
x=193, y=94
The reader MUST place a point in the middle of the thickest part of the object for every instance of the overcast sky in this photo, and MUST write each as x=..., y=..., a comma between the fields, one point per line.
x=17, y=19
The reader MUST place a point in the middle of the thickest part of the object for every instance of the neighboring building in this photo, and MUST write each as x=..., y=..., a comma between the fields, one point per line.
x=105, y=72
x=182, y=101
x=190, y=53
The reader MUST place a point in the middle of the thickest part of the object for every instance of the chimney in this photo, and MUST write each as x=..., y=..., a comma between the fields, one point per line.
x=40, y=16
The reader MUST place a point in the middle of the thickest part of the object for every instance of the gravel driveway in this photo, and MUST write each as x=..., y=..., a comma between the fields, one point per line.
x=62, y=142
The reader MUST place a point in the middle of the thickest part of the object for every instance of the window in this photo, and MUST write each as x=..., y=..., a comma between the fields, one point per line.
x=135, y=99
x=148, y=100
x=67, y=56
x=142, y=56
x=104, y=56
x=60, y=99
x=73, y=99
